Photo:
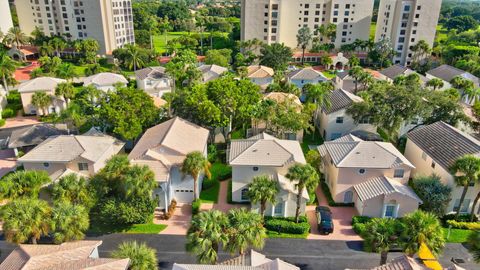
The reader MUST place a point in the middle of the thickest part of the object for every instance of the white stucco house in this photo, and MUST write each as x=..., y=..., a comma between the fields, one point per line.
x=433, y=149
x=105, y=81
x=41, y=84
x=264, y=154
x=211, y=72
x=372, y=175
x=154, y=80
x=163, y=149
x=260, y=75
x=301, y=77
x=334, y=122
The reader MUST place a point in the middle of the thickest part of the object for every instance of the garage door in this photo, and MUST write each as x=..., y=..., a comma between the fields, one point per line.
x=184, y=195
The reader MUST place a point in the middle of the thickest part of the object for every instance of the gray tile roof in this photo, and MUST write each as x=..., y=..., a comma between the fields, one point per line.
x=394, y=71
x=402, y=263
x=152, y=72
x=35, y=134
x=40, y=84
x=305, y=74
x=447, y=73
x=211, y=72
x=105, y=79
x=342, y=75
x=444, y=143
x=341, y=99
x=382, y=185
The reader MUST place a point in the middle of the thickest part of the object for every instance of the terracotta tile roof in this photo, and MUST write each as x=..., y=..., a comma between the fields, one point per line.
x=280, y=97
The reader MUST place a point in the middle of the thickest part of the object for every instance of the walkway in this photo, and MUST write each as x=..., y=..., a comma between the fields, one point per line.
x=23, y=73
x=180, y=221
x=20, y=121
x=7, y=161
x=222, y=203
x=342, y=219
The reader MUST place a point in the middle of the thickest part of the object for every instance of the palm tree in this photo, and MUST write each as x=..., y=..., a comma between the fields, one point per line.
x=72, y=189
x=25, y=220
x=66, y=71
x=326, y=61
x=304, y=36
x=58, y=44
x=205, y=235
x=472, y=95
x=356, y=72
x=15, y=36
x=304, y=176
x=474, y=242
x=142, y=257
x=465, y=170
x=69, y=222
x=365, y=79
x=65, y=90
x=41, y=100
x=7, y=68
x=246, y=230
x=420, y=50
x=462, y=84
x=435, y=83
x=45, y=49
x=23, y=184
x=422, y=228
x=195, y=164
x=380, y=234
x=262, y=190
x=320, y=95
x=133, y=59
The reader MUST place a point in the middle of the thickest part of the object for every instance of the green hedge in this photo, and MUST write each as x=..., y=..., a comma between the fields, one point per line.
x=358, y=224
x=461, y=218
x=287, y=225
x=196, y=206
x=464, y=225
x=8, y=113
x=328, y=195
x=2, y=122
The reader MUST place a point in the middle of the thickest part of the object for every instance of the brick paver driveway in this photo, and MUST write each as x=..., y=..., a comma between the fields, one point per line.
x=7, y=161
x=180, y=221
x=342, y=219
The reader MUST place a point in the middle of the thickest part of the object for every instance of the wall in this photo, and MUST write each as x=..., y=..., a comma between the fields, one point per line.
x=38, y=166
x=374, y=206
x=6, y=21
x=243, y=175
x=28, y=108
x=328, y=125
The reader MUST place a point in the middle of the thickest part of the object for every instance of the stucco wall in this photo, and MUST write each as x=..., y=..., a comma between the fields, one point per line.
x=329, y=127
x=374, y=206
x=243, y=175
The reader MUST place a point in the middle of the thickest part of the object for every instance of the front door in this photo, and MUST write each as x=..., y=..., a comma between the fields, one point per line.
x=348, y=197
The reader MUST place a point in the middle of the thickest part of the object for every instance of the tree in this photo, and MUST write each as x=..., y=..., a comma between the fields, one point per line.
x=326, y=61
x=89, y=48
x=173, y=10
x=356, y=72
x=380, y=234
x=15, y=36
x=41, y=100
x=218, y=57
x=182, y=68
x=164, y=26
x=434, y=194
x=23, y=184
x=65, y=90
x=58, y=44
x=25, y=220
x=304, y=176
x=206, y=233
x=66, y=71
x=72, y=189
x=133, y=60
x=304, y=36
x=382, y=53
x=263, y=190
x=435, y=83
x=328, y=31
x=461, y=23
x=69, y=222
x=354, y=61
x=474, y=242
x=142, y=257
x=466, y=170
x=319, y=94
x=7, y=68
x=195, y=164
x=276, y=56
x=45, y=49
x=422, y=228
x=246, y=230
x=461, y=83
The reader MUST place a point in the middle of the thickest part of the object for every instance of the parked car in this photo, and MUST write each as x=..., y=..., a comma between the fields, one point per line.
x=324, y=219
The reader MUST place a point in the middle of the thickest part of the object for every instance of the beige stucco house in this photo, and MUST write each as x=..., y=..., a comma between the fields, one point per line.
x=105, y=81
x=41, y=84
x=211, y=72
x=154, y=80
x=351, y=168
x=260, y=75
x=264, y=154
x=84, y=154
x=433, y=149
x=163, y=149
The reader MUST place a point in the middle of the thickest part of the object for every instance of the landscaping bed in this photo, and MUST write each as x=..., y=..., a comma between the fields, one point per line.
x=210, y=187
x=280, y=227
x=148, y=228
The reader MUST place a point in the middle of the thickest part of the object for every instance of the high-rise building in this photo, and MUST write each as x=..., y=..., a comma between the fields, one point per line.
x=405, y=23
x=110, y=22
x=279, y=20
x=5, y=16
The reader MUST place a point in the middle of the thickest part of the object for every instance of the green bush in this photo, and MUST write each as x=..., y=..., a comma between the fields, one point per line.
x=464, y=225
x=196, y=206
x=328, y=195
x=2, y=122
x=212, y=153
x=8, y=113
x=287, y=225
x=358, y=224
x=461, y=218
x=135, y=211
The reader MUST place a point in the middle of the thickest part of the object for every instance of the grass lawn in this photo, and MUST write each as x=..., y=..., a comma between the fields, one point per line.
x=80, y=70
x=238, y=134
x=456, y=235
x=329, y=74
x=311, y=139
x=160, y=43
x=148, y=228
x=273, y=234
x=218, y=171
x=210, y=195
x=373, y=28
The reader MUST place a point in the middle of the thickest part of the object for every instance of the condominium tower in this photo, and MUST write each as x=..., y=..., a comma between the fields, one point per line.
x=405, y=23
x=5, y=17
x=279, y=20
x=110, y=22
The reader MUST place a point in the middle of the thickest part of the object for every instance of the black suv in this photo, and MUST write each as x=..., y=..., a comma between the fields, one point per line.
x=324, y=219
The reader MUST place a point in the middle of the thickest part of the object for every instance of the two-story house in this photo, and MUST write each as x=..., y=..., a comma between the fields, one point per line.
x=372, y=175
x=260, y=75
x=301, y=77
x=163, y=148
x=105, y=81
x=446, y=73
x=41, y=84
x=211, y=72
x=154, y=80
x=266, y=155
x=84, y=154
x=433, y=149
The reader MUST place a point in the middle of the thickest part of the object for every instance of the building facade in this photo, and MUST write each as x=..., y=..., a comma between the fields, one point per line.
x=110, y=22
x=405, y=23
x=6, y=21
x=279, y=20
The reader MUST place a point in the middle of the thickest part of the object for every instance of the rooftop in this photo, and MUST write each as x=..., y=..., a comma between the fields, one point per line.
x=259, y=72
x=341, y=99
x=151, y=72
x=305, y=74
x=447, y=73
x=105, y=79
x=377, y=186
x=40, y=84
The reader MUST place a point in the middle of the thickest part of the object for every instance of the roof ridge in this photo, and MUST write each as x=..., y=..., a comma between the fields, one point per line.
x=243, y=151
x=279, y=144
x=351, y=150
x=465, y=135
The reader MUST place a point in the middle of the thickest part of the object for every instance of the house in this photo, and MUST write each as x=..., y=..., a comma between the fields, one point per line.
x=433, y=149
x=105, y=81
x=252, y=261
x=3, y=98
x=344, y=81
x=211, y=72
x=403, y=263
x=446, y=73
x=389, y=74
x=264, y=154
x=260, y=75
x=373, y=175
x=279, y=97
x=60, y=155
x=301, y=77
x=27, y=137
x=154, y=80
x=41, y=84
x=77, y=255
x=163, y=149
x=334, y=122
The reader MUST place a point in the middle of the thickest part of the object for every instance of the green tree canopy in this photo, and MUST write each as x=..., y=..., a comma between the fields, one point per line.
x=263, y=190
x=69, y=222
x=142, y=257
x=434, y=194
x=276, y=56
x=422, y=227
x=72, y=189
x=304, y=177
x=23, y=184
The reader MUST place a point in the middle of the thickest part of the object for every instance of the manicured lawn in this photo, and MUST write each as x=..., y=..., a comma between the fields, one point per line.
x=160, y=43
x=456, y=235
x=373, y=28
x=273, y=234
x=80, y=70
x=148, y=228
x=210, y=195
x=311, y=139
x=219, y=171
x=329, y=74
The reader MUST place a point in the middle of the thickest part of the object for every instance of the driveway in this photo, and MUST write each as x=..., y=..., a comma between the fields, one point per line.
x=342, y=221
x=180, y=221
x=7, y=161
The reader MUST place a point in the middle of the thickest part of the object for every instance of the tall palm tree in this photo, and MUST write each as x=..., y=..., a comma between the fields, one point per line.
x=23, y=184
x=304, y=36
x=422, y=228
x=356, y=72
x=7, y=68
x=16, y=36
x=66, y=71
x=474, y=242
x=246, y=230
x=472, y=95
x=133, y=59
x=320, y=95
x=58, y=44
x=263, y=190
x=69, y=222
x=380, y=234
x=72, y=189
x=65, y=90
x=41, y=100
x=45, y=49
x=435, y=83
x=465, y=170
x=304, y=176
x=207, y=232
x=195, y=164
x=420, y=50
x=25, y=220
x=326, y=61
x=142, y=257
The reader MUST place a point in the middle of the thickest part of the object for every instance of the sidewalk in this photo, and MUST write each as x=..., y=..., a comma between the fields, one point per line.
x=222, y=203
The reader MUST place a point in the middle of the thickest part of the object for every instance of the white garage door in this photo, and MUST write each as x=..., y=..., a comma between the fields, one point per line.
x=184, y=195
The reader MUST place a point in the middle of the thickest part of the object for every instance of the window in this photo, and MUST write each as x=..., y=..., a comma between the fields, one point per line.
x=390, y=210
x=362, y=171
x=336, y=6
x=419, y=7
x=278, y=209
x=245, y=194
x=433, y=164
x=339, y=120
x=307, y=5
x=83, y=166
x=275, y=6
x=417, y=16
x=398, y=173
x=255, y=169
x=465, y=205
x=406, y=8
x=401, y=39
x=424, y=156
x=46, y=164
x=347, y=6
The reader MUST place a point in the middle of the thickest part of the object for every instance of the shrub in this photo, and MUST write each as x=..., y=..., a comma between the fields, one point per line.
x=8, y=113
x=328, y=195
x=2, y=122
x=212, y=153
x=464, y=225
x=133, y=211
x=461, y=218
x=287, y=225
x=196, y=206
x=434, y=194
x=358, y=224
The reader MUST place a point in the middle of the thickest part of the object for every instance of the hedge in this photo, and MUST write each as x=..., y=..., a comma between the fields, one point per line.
x=8, y=113
x=287, y=225
x=328, y=195
x=461, y=218
x=358, y=224
x=464, y=225
x=2, y=122
x=196, y=206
